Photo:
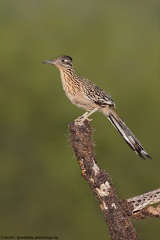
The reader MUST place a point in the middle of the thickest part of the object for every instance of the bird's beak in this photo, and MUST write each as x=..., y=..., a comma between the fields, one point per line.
x=49, y=62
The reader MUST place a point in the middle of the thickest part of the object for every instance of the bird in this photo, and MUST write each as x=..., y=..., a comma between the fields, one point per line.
x=86, y=95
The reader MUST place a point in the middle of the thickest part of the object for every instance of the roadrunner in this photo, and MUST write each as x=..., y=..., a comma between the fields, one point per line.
x=84, y=94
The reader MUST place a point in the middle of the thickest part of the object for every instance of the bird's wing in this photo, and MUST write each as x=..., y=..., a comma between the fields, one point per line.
x=96, y=94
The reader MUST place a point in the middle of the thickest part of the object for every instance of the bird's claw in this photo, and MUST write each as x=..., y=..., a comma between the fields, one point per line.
x=81, y=119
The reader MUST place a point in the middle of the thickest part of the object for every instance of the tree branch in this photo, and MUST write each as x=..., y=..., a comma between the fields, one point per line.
x=137, y=207
x=119, y=224
x=117, y=213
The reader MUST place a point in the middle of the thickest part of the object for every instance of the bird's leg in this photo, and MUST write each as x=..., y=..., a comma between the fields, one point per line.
x=86, y=115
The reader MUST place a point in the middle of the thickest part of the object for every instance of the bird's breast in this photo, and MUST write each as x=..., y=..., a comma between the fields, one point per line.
x=73, y=90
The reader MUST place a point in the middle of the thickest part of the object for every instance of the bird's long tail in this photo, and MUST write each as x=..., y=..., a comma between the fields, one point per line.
x=127, y=134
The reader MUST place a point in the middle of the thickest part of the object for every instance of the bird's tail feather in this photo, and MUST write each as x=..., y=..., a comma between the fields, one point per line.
x=127, y=134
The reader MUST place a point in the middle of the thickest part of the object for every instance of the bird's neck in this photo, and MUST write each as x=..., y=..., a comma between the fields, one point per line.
x=67, y=74
x=69, y=79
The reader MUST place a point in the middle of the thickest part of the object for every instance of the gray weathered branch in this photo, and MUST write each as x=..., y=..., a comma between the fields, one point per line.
x=141, y=201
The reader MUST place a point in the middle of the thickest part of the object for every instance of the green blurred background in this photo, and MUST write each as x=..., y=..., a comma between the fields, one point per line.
x=116, y=44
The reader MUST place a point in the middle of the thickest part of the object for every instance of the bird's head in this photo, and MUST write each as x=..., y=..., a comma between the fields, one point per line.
x=60, y=62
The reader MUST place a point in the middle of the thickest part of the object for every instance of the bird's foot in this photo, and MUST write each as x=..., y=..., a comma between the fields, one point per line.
x=81, y=119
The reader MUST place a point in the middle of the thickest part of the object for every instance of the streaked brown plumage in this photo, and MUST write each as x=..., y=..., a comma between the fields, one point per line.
x=84, y=94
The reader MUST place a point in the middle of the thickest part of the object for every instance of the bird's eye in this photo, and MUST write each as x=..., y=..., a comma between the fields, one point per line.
x=64, y=60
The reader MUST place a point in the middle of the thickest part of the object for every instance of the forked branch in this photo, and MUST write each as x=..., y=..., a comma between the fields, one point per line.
x=117, y=213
